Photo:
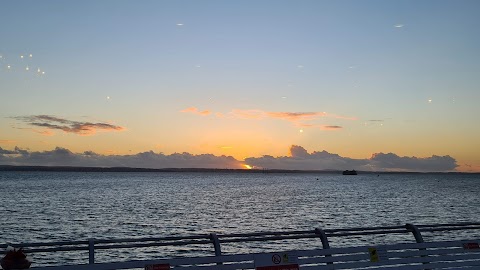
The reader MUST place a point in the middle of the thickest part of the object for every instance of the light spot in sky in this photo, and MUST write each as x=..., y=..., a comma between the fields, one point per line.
x=351, y=67
x=9, y=66
x=108, y=97
x=27, y=68
x=248, y=166
x=38, y=70
x=198, y=66
x=179, y=24
x=31, y=55
x=299, y=66
x=43, y=72
x=21, y=56
x=398, y=25
x=301, y=130
x=430, y=101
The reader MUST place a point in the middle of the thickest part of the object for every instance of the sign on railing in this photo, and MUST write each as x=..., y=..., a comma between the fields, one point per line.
x=276, y=261
x=163, y=266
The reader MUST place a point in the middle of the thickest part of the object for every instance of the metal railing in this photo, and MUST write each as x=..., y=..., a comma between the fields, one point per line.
x=217, y=239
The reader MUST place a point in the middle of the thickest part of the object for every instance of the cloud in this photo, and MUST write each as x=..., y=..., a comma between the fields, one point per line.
x=7, y=141
x=300, y=159
x=260, y=114
x=50, y=123
x=392, y=161
x=64, y=157
x=297, y=118
x=331, y=127
x=196, y=111
x=322, y=127
x=6, y=152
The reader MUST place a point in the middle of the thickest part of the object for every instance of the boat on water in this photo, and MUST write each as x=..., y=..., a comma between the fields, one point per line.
x=347, y=172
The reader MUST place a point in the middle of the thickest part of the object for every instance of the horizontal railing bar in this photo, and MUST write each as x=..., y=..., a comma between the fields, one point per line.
x=55, y=249
x=450, y=224
x=78, y=248
x=106, y=241
x=150, y=239
x=365, y=228
x=272, y=238
x=153, y=244
x=309, y=231
x=365, y=233
x=449, y=229
x=46, y=244
x=264, y=233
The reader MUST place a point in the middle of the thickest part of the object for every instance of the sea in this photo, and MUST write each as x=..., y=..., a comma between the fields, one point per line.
x=68, y=206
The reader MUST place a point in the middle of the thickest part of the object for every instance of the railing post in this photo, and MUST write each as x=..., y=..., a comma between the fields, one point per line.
x=416, y=232
x=324, y=239
x=91, y=251
x=418, y=237
x=216, y=245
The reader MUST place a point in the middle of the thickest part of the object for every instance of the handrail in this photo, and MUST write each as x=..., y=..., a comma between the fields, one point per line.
x=217, y=239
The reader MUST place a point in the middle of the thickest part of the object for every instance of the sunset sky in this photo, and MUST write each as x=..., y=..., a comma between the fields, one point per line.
x=370, y=85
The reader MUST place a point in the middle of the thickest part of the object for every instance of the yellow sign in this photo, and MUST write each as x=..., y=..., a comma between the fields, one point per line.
x=373, y=254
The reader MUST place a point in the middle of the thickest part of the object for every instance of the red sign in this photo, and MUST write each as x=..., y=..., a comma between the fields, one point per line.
x=164, y=266
x=279, y=267
x=472, y=245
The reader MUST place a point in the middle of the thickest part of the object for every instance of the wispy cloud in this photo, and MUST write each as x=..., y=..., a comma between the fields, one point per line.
x=50, y=123
x=195, y=110
x=297, y=118
x=288, y=116
x=331, y=127
x=322, y=127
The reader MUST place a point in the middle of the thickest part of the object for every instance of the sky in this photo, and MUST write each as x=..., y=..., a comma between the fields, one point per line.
x=367, y=85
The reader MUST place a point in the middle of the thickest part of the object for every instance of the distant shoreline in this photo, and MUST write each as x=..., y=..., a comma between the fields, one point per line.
x=209, y=170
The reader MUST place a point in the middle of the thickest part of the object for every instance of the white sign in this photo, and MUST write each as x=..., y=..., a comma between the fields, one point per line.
x=275, y=259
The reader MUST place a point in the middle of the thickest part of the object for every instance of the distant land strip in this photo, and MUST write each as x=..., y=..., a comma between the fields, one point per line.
x=209, y=170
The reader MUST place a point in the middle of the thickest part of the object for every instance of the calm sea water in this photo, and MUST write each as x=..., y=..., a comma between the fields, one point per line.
x=50, y=206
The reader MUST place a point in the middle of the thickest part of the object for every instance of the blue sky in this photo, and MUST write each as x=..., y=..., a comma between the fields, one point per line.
x=382, y=77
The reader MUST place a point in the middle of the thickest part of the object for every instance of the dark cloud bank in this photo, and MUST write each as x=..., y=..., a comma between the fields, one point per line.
x=299, y=159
